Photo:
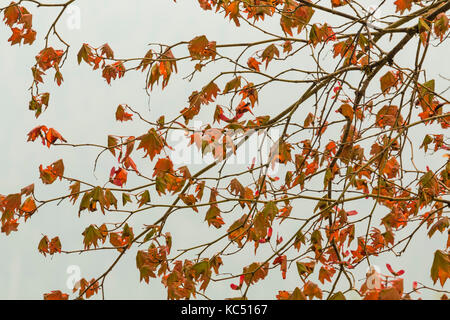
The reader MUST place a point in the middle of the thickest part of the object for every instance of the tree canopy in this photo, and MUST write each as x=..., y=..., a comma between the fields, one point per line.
x=355, y=167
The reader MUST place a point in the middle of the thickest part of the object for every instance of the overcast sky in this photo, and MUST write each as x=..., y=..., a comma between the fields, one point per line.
x=82, y=110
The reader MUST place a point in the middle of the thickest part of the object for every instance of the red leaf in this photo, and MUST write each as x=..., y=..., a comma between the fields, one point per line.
x=388, y=81
x=269, y=53
x=399, y=273
x=118, y=177
x=37, y=132
x=56, y=295
x=48, y=58
x=52, y=135
x=11, y=14
x=107, y=51
x=253, y=64
x=403, y=5
x=241, y=280
x=234, y=287
x=10, y=225
x=152, y=143
x=121, y=115
x=53, y=171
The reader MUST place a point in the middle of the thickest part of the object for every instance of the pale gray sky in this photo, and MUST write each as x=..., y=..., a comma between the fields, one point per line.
x=83, y=108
